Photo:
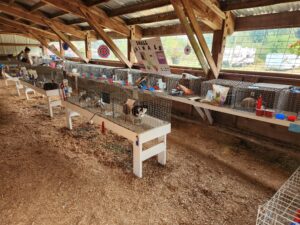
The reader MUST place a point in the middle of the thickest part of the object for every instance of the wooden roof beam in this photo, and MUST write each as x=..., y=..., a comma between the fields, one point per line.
x=138, y=7
x=91, y=3
x=152, y=18
x=189, y=31
x=197, y=30
x=39, y=19
x=245, y=4
x=58, y=14
x=37, y=6
x=63, y=37
x=100, y=16
x=104, y=36
x=22, y=26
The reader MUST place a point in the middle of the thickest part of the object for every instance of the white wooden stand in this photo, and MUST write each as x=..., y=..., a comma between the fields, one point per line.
x=53, y=96
x=138, y=139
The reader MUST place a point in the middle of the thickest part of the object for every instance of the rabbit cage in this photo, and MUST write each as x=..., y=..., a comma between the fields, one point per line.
x=128, y=107
x=284, y=207
x=231, y=84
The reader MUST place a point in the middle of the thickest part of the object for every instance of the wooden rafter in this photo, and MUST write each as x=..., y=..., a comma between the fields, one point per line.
x=100, y=16
x=197, y=30
x=44, y=42
x=88, y=46
x=214, y=6
x=184, y=21
x=93, y=23
x=63, y=37
x=39, y=19
x=152, y=18
x=91, y=3
x=37, y=6
x=22, y=26
x=138, y=7
x=245, y=4
x=19, y=44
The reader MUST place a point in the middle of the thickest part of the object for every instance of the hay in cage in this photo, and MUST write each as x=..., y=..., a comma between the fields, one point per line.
x=284, y=207
x=208, y=85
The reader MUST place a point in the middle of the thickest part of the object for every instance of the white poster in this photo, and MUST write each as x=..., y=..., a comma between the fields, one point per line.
x=151, y=56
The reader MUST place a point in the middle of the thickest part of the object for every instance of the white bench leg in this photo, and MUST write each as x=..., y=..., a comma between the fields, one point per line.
x=69, y=115
x=137, y=160
x=27, y=90
x=162, y=157
x=50, y=107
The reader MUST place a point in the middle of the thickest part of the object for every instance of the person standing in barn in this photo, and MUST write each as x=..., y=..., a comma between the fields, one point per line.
x=24, y=56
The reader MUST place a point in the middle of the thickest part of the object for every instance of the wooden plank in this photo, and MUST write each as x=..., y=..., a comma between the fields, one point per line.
x=88, y=46
x=93, y=23
x=91, y=3
x=19, y=44
x=152, y=18
x=245, y=4
x=45, y=43
x=61, y=49
x=268, y=21
x=214, y=7
x=207, y=16
x=196, y=28
x=76, y=7
x=190, y=35
x=37, y=6
x=145, y=5
x=22, y=26
x=39, y=19
x=177, y=29
x=135, y=34
x=63, y=37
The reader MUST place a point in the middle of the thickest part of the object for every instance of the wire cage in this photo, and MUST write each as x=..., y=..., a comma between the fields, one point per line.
x=289, y=100
x=244, y=97
x=131, y=108
x=124, y=74
x=284, y=207
x=208, y=85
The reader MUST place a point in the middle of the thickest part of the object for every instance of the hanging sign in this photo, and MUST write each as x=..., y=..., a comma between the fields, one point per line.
x=151, y=55
x=187, y=50
x=65, y=46
x=103, y=51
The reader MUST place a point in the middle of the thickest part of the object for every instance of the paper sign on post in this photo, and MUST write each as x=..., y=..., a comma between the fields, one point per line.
x=151, y=56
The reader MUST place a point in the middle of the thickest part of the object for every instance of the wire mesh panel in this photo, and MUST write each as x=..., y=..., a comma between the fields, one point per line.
x=284, y=207
x=245, y=97
x=208, y=85
x=128, y=107
x=289, y=100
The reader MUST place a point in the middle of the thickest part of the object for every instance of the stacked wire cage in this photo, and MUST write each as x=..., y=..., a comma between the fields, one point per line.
x=284, y=207
x=289, y=100
x=130, y=108
x=245, y=97
x=231, y=84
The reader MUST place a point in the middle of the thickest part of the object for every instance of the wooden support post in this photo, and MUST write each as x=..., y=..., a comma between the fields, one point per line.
x=88, y=46
x=61, y=49
x=94, y=24
x=135, y=34
x=196, y=28
x=219, y=40
x=64, y=38
x=184, y=21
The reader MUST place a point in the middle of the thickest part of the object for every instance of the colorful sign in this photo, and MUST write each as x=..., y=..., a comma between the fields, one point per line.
x=151, y=55
x=103, y=51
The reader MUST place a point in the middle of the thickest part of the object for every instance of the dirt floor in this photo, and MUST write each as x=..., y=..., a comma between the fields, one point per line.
x=50, y=175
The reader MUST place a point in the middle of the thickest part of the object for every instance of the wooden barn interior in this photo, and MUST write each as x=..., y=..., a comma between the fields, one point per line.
x=150, y=112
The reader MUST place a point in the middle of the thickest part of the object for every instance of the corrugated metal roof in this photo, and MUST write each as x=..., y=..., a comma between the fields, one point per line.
x=115, y=4
x=161, y=23
x=149, y=12
x=278, y=8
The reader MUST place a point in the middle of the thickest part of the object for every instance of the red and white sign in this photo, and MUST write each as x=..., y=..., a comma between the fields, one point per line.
x=103, y=51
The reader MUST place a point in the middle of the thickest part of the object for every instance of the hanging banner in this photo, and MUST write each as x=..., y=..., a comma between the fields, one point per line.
x=151, y=56
x=103, y=51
